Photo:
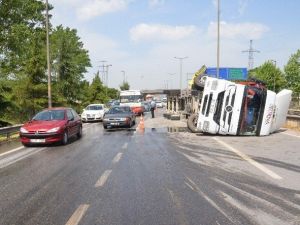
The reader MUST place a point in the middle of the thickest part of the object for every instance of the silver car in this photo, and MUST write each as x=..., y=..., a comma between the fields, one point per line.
x=119, y=116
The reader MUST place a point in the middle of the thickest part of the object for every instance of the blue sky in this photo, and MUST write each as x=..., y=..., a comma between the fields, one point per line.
x=142, y=37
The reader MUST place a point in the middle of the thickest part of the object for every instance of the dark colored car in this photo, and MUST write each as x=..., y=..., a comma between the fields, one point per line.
x=119, y=116
x=51, y=125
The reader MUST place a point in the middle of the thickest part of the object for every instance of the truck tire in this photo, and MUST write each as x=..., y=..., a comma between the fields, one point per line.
x=199, y=82
x=192, y=123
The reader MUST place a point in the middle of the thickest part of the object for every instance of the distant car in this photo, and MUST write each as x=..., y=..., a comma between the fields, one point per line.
x=119, y=116
x=93, y=112
x=51, y=125
x=159, y=104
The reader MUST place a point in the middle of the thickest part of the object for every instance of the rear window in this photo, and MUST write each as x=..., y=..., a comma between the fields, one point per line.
x=94, y=107
x=117, y=110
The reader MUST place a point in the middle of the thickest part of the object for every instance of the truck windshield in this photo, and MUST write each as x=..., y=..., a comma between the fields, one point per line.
x=131, y=98
x=251, y=109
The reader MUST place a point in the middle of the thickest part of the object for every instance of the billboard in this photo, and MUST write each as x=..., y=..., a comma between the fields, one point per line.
x=228, y=73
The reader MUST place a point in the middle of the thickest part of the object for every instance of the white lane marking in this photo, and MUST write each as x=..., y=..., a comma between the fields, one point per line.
x=291, y=135
x=19, y=156
x=249, y=160
x=78, y=214
x=11, y=151
x=103, y=178
x=117, y=157
x=125, y=145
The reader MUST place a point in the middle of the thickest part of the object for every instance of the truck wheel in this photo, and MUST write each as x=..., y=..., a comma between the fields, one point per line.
x=199, y=82
x=192, y=123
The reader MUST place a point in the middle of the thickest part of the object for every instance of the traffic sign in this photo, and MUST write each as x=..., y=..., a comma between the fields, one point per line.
x=228, y=73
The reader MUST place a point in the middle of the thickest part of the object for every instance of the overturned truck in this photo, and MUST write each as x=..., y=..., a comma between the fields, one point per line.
x=243, y=108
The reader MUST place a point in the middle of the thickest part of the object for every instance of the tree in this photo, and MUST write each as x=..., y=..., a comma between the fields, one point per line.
x=292, y=73
x=70, y=63
x=270, y=74
x=113, y=93
x=124, y=86
x=23, y=61
x=97, y=91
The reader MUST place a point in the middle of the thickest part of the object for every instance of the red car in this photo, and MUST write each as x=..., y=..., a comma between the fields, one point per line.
x=51, y=125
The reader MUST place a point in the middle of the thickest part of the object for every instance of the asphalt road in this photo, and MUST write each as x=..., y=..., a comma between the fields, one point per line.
x=153, y=178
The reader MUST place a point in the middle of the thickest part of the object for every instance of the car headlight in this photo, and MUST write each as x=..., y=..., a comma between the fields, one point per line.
x=123, y=119
x=23, y=130
x=53, y=130
x=106, y=120
x=83, y=114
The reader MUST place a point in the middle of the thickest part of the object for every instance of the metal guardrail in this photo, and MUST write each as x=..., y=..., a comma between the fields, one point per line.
x=8, y=131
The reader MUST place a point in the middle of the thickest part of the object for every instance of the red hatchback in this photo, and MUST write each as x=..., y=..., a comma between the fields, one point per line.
x=51, y=125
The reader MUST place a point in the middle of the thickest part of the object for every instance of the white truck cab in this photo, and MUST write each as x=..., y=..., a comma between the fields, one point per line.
x=230, y=108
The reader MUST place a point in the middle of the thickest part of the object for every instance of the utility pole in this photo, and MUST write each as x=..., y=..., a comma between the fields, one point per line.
x=251, y=51
x=218, y=41
x=48, y=57
x=103, y=70
x=180, y=61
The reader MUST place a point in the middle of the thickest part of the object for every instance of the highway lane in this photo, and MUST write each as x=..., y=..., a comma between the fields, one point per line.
x=152, y=177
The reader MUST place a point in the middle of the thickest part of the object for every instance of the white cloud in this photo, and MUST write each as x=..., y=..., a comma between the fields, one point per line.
x=99, y=7
x=89, y=9
x=155, y=3
x=150, y=32
x=232, y=30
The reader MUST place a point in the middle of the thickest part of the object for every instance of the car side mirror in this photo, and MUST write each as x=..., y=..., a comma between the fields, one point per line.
x=72, y=119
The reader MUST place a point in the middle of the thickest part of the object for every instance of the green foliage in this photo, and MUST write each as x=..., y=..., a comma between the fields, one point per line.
x=23, y=81
x=292, y=73
x=124, y=86
x=97, y=91
x=113, y=93
x=70, y=63
x=271, y=75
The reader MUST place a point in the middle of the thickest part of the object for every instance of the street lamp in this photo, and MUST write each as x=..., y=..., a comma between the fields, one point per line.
x=106, y=78
x=218, y=42
x=48, y=57
x=274, y=62
x=180, y=61
x=124, y=77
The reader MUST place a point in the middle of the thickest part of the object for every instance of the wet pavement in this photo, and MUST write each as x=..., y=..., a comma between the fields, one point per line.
x=158, y=175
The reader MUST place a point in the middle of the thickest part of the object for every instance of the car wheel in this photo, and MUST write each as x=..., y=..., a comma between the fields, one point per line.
x=65, y=138
x=105, y=127
x=79, y=134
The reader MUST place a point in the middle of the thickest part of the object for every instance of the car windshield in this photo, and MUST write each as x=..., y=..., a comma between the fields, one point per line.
x=50, y=115
x=94, y=107
x=117, y=110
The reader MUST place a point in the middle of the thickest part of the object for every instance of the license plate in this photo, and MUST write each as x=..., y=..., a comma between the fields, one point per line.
x=114, y=123
x=37, y=140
